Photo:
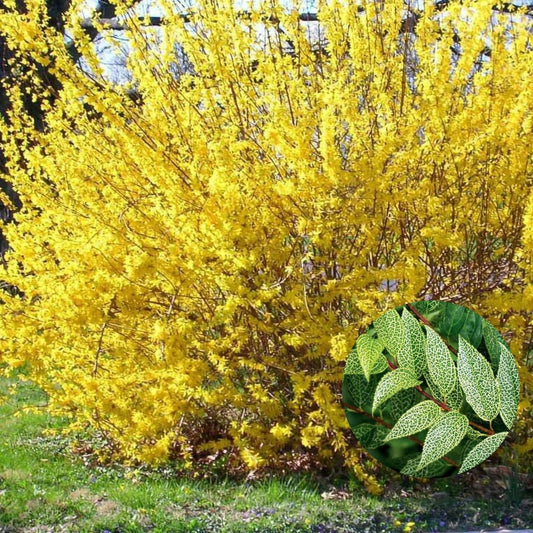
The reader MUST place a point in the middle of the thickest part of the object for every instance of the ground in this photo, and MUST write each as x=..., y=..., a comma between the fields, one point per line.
x=47, y=484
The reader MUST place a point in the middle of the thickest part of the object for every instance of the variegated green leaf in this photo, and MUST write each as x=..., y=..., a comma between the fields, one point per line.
x=509, y=385
x=369, y=350
x=467, y=410
x=482, y=451
x=360, y=390
x=454, y=400
x=391, y=331
x=353, y=366
x=419, y=417
x=370, y=436
x=412, y=355
x=391, y=383
x=469, y=443
x=401, y=402
x=478, y=382
x=443, y=436
x=434, y=469
x=398, y=463
x=492, y=338
x=440, y=363
x=472, y=437
x=381, y=365
x=472, y=328
x=433, y=389
x=474, y=434
x=410, y=467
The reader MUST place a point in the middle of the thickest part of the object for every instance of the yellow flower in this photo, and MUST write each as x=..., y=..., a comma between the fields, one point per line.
x=193, y=266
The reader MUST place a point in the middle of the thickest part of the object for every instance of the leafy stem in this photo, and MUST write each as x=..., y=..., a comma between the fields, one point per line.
x=443, y=405
x=387, y=425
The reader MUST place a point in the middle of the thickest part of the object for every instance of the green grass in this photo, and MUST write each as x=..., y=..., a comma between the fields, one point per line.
x=46, y=487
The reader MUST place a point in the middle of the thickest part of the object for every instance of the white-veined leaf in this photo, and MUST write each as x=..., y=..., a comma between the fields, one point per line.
x=412, y=355
x=454, y=400
x=472, y=437
x=509, y=385
x=443, y=436
x=353, y=366
x=478, y=381
x=391, y=383
x=370, y=435
x=369, y=351
x=401, y=402
x=440, y=363
x=381, y=365
x=482, y=451
x=434, y=469
x=467, y=446
x=391, y=331
x=360, y=390
x=419, y=417
x=474, y=433
x=492, y=338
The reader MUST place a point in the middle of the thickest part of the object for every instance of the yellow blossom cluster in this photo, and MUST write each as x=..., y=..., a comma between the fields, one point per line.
x=193, y=265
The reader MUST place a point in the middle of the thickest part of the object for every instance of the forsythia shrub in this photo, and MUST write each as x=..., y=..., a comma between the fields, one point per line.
x=194, y=265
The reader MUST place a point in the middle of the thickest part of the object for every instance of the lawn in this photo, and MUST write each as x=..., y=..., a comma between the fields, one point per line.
x=49, y=483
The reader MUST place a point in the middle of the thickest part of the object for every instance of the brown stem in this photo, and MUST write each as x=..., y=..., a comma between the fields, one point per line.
x=425, y=321
x=383, y=423
x=481, y=428
x=443, y=405
x=363, y=412
x=439, y=403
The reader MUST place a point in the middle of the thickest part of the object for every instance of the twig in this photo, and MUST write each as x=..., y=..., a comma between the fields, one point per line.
x=99, y=350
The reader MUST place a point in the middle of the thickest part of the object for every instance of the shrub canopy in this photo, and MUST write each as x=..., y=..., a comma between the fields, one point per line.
x=199, y=247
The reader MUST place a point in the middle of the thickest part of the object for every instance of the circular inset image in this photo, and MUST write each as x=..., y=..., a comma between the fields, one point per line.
x=431, y=389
